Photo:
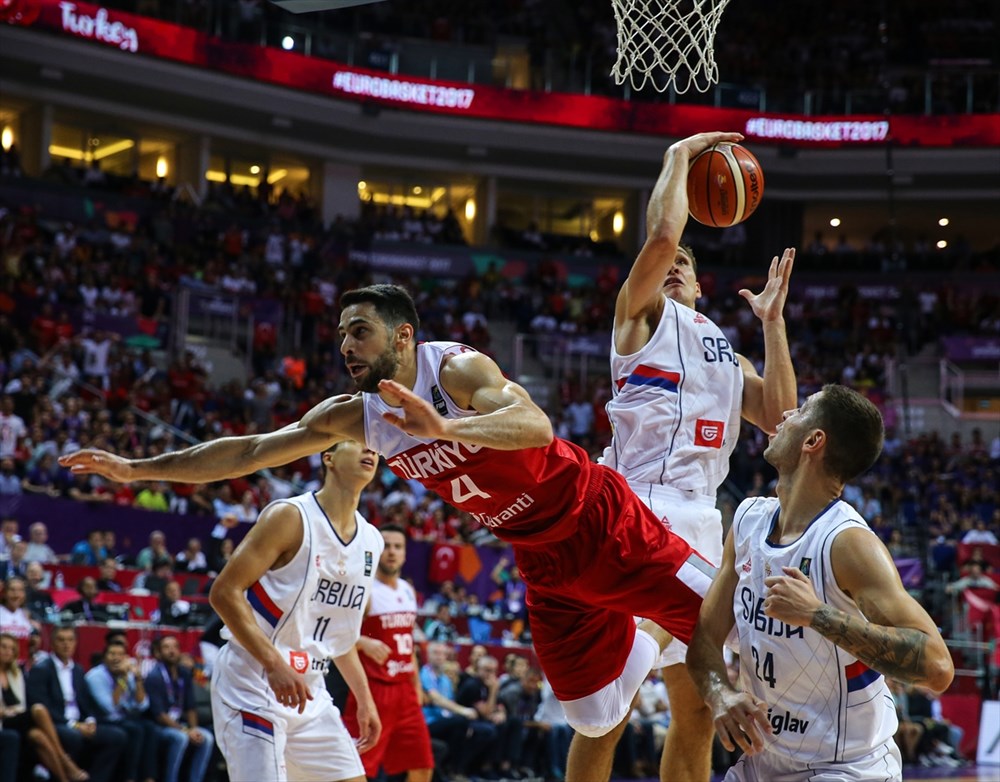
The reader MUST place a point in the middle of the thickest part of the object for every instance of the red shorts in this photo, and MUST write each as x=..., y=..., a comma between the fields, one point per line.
x=405, y=742
x=619, y=561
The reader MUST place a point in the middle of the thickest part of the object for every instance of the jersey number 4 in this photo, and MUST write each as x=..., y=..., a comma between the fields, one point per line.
x=767, y=674
x=463, y=489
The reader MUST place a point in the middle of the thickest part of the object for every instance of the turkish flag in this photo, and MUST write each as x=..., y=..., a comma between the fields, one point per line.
x=444, y=562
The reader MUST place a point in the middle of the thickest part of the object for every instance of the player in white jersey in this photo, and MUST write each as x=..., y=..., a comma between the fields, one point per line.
x=293, y=597
x=678, y=391
x=821, y=612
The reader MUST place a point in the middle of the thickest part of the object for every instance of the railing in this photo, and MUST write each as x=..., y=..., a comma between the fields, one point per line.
x=969, y=392
x=212, y=314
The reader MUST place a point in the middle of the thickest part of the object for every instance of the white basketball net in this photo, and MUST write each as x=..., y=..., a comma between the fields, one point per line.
x=666, y=43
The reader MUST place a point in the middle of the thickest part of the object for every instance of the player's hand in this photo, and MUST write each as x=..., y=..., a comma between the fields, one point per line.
x=692, y=146
x=741, y=720
x=791, y=598
x=770, y=302
x=419, y=418
x=91, y=462
x=369, y=726
x=289, y=687
x=375, y=649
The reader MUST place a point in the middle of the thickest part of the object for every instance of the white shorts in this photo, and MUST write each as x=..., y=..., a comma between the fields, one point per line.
x=693, y=517
x=598, y=713
x=884, y=764
x=264, y=741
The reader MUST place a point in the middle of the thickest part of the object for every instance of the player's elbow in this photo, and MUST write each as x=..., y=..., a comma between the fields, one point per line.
x=940, y=672
x=541, y=433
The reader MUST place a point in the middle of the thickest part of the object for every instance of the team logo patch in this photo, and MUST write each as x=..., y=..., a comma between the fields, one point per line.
x=709, y=434
x=257, y=726
x=368, y=563
x=439, y=404
x=746, y=566
x=805, y=564
x=699, y=318
x=299, y=661
x=317, y=560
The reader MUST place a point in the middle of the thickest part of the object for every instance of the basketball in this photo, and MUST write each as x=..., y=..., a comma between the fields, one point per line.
x=725, y=184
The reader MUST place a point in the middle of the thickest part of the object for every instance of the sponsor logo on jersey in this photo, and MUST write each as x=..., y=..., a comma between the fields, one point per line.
x=439, y=404
x=746, y=566
x=298, y=660
x=396, y=667
x=431, y=459
x=521, y=503
x=709, y=434
x=700, y=319
x=368, y=563
x=397, y=619
x=786, y=723
x=322, y=666
x=805, y=565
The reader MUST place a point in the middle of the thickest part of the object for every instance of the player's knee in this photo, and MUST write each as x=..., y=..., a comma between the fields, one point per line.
x=589, y=730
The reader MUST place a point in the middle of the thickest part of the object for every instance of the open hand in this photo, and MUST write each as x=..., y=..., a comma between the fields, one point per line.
x=769, y=303
x=289, y=687
x=741, y=720
x=419, y=418
x=93, y=462
x=369, y=727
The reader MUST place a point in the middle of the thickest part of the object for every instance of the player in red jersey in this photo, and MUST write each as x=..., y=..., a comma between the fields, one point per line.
x=592, y=555
x=386, y=646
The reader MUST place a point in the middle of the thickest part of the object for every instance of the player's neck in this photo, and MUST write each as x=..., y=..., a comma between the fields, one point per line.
x=802, y=496
x=389, y=581
x=339, y=503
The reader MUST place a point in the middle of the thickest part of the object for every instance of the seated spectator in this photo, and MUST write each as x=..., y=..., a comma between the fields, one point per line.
x=980, y=534
x=90, y=551
x=153, y=582
x=441, y=628
x=153, y=496
x=110, y=545
x=14, y=620
x=46, y=477
x=39, y=549
x=156, y=550
x=974, y=579
x=16, y=565
x=224, y=505
x=174, y=610
x=192, y=559
x=120, y=691
x=107, y=582
x=172, y=708
x=34, y=724
x=85, y=609
x=10, y=483
x=37, y=601
x=446, y=719
x=59, y=685
x=495, y=738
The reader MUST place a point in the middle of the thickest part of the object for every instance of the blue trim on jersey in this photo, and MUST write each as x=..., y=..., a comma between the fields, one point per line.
x=259, y=606
x=357, y=527
x=774, y=523
x=862, y=680
x=680, y=395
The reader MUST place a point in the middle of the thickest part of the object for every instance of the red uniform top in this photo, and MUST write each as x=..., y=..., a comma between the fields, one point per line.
x=528, y=496
x=391, y=616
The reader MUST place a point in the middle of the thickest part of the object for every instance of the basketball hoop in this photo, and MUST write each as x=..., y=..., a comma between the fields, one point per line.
x=667, y=43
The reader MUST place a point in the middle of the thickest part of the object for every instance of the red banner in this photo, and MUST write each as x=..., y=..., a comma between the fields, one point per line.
x=137, y=34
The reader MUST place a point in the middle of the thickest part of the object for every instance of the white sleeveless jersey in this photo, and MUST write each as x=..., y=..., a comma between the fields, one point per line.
x=311, y=608
x=675, y=404
x=824, y=705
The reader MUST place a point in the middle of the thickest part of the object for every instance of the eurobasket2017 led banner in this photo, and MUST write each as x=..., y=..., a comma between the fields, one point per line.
x=132, y=34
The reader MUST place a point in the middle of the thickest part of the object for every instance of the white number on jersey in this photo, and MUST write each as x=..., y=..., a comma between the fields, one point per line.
x=404, y=643
x=463, y=490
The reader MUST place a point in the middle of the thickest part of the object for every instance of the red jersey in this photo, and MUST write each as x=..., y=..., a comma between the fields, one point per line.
x=391, y=616
x=528, y=496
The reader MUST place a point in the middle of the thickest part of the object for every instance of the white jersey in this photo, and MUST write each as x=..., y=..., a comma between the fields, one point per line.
x=675, y=404
x=312, y=607
x=824, y=705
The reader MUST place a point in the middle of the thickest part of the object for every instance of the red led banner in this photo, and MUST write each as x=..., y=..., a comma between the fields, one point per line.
x=137, y=34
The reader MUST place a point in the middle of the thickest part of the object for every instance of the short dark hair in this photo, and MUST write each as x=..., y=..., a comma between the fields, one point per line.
x=854, y=431
x=393, y=303
x=688, y=250
x=392, y=528
x=117, y=642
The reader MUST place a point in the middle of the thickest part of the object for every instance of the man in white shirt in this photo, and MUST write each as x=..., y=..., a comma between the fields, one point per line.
x=980, y=535
x=39, y=549
x=14, y=620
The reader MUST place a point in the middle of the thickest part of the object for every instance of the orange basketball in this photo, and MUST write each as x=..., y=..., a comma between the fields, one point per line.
x=725, y=185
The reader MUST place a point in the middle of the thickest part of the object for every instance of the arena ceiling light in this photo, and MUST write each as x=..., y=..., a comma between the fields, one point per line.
x=942, y=244
x=7, y=138
x=834, y=221
x=78, y=154
x=288, y=43
x=277, y=175
x=943, y=222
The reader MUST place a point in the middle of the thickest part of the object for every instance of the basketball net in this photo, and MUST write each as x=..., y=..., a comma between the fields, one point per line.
x=666, y=43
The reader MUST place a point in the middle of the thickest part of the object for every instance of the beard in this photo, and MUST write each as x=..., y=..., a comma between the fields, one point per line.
x=382, y=368
x=390, y=571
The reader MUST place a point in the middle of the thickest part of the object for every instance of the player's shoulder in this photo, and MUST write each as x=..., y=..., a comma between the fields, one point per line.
x=754, y=508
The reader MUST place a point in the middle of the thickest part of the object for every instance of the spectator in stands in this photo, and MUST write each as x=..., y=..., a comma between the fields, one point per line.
x=552, y=719
x=10, y=483
x=980, y=534
x=441, y=628
x=495, y=738
x=224, y=505
x=172, y=706
x=34, y=724
x=157, y=549
x=110, y=545
x=39, y=549
x=508, y=578
x=90, y=551
x=8, y=535
x=174, y=610
x=446, y=719
x=12, y=428
x=107, y=582
x=46, y=477
x=153, y=496
x=14, y=620
x=16, y=565
x=973, y=579
x=37, y=601
x=120, y=691
x=59, y=685
x=154, y=581
x=85, y=609
x=192, y=559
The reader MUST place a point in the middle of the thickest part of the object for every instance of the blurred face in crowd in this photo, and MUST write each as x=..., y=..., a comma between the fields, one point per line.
x=64, y=643
x=8, y=651
x=108, y=570
x=170, y=650
x=9, y=529
x=39, y=533
x=18, y=550
x=34, y=574
x=88, y=588
x=172, y=591
x=13, y=594
x=393, y=555
x=368, y=346
x=95, y=539
x=157, y=541
x=437, y=655
x=475, y=653
x=116, y=659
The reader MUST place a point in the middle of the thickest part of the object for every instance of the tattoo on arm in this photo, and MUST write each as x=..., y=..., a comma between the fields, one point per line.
x=894, y=651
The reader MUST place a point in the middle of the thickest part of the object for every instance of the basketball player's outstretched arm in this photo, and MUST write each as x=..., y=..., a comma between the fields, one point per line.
x=765, y=399
x=332, y=420
x=369, y=724
x=508, y=420
x=271, y=542
x=740, y=719
x=666, y=216
x=896, y=638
